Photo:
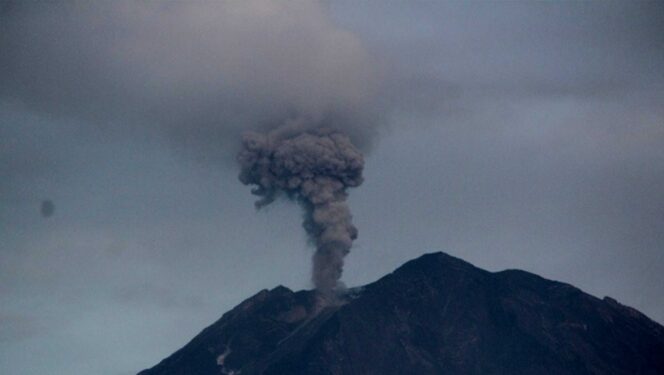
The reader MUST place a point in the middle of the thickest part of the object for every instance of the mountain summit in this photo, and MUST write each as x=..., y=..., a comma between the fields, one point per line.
x=434, y=315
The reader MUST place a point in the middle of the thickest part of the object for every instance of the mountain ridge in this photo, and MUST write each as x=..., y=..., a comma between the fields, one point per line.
x=436, y=314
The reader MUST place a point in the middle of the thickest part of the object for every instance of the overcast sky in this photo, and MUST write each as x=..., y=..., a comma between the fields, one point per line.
x=512, y=135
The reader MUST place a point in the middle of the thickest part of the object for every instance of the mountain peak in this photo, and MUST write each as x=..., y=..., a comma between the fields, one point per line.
x=434, y=314
x=437, y=262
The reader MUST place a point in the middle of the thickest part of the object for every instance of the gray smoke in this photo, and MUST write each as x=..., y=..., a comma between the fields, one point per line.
x=313, y=166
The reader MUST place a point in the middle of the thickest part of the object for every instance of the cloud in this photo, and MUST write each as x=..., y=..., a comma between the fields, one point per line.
x=444, y=57
x=203, y=71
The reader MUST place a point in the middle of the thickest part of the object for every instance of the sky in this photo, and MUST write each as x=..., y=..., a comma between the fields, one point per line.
x=523, y=135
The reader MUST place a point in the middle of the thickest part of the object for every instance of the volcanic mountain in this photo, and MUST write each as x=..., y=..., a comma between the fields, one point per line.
x=434, y=315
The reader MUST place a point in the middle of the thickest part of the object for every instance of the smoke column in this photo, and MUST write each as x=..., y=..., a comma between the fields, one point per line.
x=313, y=166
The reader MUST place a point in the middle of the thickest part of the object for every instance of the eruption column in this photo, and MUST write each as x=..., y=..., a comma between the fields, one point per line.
x=313, y=167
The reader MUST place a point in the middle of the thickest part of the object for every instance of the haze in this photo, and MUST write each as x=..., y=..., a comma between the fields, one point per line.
x=512, y=135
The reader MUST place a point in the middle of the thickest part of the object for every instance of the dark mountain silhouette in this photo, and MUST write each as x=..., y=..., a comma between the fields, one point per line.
x=434, y=315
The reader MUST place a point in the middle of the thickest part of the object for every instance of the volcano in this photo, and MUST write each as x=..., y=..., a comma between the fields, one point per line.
x=436, y=314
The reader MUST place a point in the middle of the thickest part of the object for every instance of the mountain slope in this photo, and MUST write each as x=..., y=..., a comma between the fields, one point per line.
x=434, y=315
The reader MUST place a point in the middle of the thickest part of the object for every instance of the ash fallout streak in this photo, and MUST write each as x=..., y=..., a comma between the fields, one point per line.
x=314, y=166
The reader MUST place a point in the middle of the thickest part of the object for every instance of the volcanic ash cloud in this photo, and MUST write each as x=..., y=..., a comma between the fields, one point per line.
x=314, y=167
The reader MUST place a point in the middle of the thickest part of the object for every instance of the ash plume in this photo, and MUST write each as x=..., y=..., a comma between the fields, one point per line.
x=315, y=167
x=196, y=76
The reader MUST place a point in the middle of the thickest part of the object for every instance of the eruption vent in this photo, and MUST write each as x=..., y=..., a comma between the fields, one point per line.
x=314, y=167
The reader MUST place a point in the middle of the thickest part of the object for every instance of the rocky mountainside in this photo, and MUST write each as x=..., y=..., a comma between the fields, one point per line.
x=434, y=315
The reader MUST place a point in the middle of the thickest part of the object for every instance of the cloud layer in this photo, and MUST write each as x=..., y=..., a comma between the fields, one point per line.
x=204, y=71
